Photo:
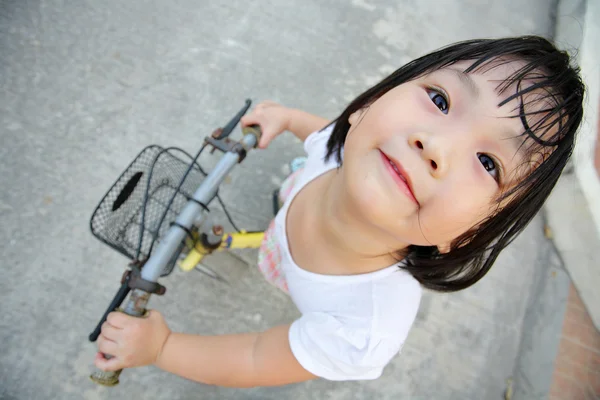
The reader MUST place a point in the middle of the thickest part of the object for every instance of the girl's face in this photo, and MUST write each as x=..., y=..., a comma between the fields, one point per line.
x=427, y=161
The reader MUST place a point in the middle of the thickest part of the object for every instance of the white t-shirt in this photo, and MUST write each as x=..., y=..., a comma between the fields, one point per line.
x=353, y=325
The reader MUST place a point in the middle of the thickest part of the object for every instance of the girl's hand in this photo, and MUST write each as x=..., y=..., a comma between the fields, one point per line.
x=272, y=118
x=133, y=342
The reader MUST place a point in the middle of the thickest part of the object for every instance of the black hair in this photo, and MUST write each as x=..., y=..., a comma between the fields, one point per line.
x=550, y=127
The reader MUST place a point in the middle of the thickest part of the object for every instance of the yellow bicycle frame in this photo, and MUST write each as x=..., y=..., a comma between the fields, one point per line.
x=241, y=240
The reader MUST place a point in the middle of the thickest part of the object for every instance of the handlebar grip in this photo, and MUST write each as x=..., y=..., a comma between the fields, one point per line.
x=136, y=307
x=106, y=378
x=253, y=130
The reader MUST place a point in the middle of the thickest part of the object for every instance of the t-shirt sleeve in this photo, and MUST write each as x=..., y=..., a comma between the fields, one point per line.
x=336, y=350
x=317, y=141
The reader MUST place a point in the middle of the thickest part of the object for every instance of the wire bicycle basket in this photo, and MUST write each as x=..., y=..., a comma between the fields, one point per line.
x=129, y=218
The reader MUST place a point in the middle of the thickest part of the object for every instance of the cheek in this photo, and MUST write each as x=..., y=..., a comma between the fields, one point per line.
x=380, y=123
x=454, y=212
x=362, y=184
x=369, y=192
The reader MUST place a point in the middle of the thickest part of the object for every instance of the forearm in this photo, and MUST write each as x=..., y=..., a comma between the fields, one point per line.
x=302, y=124
x=240, y=360
x=224, y=360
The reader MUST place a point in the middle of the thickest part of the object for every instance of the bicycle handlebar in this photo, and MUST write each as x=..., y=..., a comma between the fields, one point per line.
x=170, y=244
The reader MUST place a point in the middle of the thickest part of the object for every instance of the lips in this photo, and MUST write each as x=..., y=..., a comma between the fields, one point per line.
x=399, y=175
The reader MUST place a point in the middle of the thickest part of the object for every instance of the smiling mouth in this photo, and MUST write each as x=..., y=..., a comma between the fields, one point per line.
x=399, y=176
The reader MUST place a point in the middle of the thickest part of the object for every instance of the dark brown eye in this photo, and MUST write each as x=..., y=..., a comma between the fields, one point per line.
x=439, y=99
x=490, y=166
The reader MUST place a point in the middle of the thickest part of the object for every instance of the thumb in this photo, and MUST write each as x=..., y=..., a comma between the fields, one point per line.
x=264, y=141
x=153, y=315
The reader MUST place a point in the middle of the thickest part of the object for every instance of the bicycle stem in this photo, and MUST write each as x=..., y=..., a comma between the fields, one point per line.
x=191, y=213
x=169, y=245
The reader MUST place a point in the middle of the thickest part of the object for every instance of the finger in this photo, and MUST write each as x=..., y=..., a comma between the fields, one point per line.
x=250, y=119
x=267, y=103
x=110, y=332
x=266, y=138
x=107, y=365
x=107, y=346
x=119, y=319
x=264, y=141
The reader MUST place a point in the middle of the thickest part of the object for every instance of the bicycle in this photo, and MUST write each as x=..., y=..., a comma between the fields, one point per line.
x=163, y=200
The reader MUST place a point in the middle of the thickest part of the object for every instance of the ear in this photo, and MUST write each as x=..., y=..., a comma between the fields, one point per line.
x=444, y=248
x=355, y=116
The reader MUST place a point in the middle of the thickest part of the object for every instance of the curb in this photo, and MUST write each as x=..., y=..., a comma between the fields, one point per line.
x=573, y=209
x=572, y=216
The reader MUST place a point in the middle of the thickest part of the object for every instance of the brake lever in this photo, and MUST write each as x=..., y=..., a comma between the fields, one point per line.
x=222, y=133
x=114, y=304
x=131, y=280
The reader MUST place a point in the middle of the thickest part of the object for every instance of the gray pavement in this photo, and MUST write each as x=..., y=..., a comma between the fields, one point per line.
x=573, y=208
x=86, y=85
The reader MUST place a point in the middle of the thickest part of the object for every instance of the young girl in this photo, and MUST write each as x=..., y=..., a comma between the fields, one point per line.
x=419, y=183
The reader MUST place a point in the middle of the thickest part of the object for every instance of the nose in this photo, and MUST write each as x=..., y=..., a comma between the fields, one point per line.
x=432, y=151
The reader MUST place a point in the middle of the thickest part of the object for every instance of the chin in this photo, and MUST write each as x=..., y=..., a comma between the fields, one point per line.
x=369, y=201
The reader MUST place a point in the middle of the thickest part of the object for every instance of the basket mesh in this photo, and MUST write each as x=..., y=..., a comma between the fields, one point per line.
x=117, y=219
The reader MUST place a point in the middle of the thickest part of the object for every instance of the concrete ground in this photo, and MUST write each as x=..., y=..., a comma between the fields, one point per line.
x=86, y=85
